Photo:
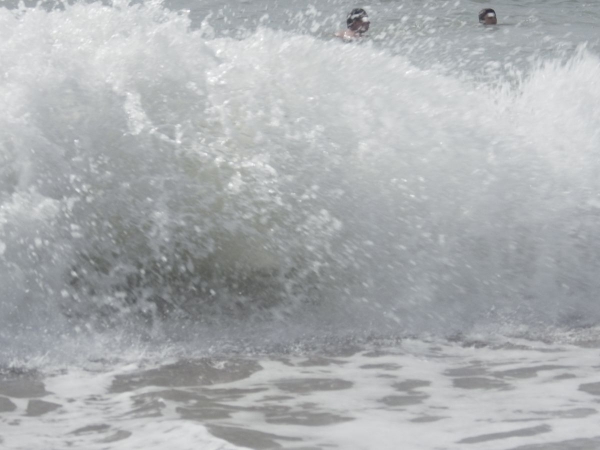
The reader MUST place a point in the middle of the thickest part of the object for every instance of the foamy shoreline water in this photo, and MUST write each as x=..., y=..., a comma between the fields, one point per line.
x=190, y=202
x=419, y=395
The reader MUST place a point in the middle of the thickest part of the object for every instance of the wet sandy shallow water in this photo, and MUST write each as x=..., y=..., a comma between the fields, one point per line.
x=418, y=395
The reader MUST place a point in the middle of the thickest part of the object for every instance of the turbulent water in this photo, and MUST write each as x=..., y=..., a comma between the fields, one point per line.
x=184, y=179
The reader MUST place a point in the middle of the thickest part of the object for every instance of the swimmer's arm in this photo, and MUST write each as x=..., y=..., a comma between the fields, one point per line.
x=346, y=35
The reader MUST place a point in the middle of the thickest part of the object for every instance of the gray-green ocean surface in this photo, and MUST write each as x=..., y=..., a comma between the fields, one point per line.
x=223, y=227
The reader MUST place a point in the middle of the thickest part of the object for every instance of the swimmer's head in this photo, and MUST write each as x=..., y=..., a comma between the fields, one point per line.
x=358, y=21
x=487, y=16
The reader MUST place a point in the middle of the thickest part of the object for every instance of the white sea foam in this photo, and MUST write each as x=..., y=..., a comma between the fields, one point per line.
x=418, y=394
x=181, y=192
x=154, y=169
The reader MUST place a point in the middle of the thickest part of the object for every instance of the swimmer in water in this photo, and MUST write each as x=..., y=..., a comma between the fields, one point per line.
x=487, y=16
x=358, y=23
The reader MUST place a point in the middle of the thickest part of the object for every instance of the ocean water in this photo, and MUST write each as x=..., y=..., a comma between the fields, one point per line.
x=221, y=227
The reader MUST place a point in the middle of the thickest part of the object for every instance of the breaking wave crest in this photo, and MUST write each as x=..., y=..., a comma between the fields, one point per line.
x=152, y=172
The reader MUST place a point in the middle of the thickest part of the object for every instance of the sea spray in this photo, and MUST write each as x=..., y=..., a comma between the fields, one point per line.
x=152, y=173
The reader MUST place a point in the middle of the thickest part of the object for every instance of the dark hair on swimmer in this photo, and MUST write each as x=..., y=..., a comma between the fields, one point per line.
x=485, y=12
x=356, y=14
